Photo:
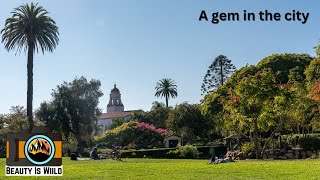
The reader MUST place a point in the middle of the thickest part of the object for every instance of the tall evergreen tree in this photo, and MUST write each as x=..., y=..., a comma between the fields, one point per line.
x=218, y=72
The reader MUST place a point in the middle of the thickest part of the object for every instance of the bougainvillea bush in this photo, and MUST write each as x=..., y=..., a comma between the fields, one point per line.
x=136, y=135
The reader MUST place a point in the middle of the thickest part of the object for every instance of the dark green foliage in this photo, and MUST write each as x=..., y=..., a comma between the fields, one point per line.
x=217, y=74
x=74, y=109
x=173, y=153
x=156, y=116
x=281, y=64
x=313, y=71
x=295, y=75
x=309, y=143
x=150, y=153
x=184, y=152
x=186, y=120
x=204, y=151
x=189, y=152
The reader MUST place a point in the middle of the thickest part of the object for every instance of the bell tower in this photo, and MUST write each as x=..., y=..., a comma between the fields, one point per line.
x=115, y=104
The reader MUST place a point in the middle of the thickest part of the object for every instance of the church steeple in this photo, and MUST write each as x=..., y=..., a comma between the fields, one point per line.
x=115, y=104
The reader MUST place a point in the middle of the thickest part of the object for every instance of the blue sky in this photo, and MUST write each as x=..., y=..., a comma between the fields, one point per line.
x=137, y=43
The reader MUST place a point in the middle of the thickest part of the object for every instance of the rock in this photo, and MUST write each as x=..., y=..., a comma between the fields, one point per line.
x=283, y=157
x=297, y=156
x=297, y=152
x=303, y=153
x=289, y=155
x=309, y=153
x=290, y=151
x=272, y=157
x=271, y=152
x=283, y=151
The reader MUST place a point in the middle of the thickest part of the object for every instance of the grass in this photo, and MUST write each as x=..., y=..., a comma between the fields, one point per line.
x=183, y=169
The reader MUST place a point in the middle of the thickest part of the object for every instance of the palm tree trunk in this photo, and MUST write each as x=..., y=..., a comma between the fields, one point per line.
x=167, y=101
x=30, y=86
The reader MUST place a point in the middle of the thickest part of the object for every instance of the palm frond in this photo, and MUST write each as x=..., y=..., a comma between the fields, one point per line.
x=30, y=27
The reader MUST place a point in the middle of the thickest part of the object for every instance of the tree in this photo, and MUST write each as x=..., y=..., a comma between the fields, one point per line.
x=281, y=64
x=187, y=120
x=74, y=108
x=251, y=93
x=157, y=115
x=166, y=88
x=47, y=114
x=218, y=72
x=15, y=121
x=30, y=29
x=312, y=72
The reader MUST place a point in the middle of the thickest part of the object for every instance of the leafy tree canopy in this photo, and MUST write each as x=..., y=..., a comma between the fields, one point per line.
x=74, y=108
x=186, y=120
x=281, y=64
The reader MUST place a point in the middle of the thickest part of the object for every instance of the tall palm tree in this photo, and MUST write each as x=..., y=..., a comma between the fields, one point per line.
x=30, y=29
x=166, y=88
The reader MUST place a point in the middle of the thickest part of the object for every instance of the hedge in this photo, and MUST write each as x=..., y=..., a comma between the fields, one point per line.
x=150, y=153
x=309, y=143
x=204, y=152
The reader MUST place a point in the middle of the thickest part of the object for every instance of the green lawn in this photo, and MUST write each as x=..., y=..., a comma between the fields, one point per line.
x=185, y=169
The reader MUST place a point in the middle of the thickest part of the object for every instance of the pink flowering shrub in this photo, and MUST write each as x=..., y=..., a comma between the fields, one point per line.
x=134, y=134
x=150, y=127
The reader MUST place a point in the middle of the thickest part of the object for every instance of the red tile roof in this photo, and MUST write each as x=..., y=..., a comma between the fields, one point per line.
x=111, y=115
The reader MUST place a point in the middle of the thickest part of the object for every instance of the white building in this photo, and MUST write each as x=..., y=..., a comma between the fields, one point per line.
x=115, y=109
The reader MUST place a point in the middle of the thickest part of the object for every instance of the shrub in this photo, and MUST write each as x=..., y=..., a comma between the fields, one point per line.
x=150, y=153
x=189, y=152
x=174, y=154
x=135, y=135
x=314, y=156
x=133, y=155
x=309, y=143
x=247, y=147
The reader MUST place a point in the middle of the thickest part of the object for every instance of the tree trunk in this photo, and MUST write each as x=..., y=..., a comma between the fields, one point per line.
x=239, y=140
x=221, y=73
x=30, y=86
x=167, y=101
x=256, y=140
x=270, y=139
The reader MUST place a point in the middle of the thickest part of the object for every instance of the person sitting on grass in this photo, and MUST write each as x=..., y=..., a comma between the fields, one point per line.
x=225, y=160
x=94, y=154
